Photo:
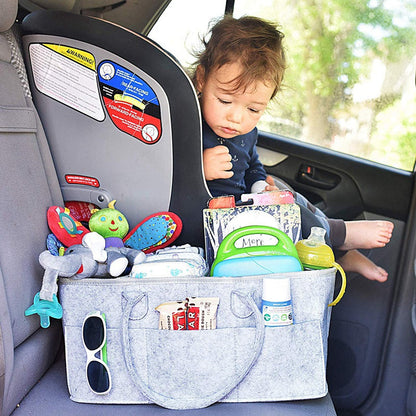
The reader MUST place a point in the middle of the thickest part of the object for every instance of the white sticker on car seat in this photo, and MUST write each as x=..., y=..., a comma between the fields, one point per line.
x=67, y=75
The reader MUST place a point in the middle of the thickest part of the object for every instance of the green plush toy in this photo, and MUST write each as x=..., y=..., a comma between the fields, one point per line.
x=111, y=224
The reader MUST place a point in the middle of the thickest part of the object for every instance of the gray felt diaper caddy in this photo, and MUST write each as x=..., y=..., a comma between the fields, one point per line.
x=240, y=361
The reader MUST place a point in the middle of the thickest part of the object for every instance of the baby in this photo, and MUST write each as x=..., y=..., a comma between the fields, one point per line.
x=237, y=74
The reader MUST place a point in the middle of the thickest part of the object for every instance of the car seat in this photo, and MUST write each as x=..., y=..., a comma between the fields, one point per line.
x=32, y=374
x=121, y=117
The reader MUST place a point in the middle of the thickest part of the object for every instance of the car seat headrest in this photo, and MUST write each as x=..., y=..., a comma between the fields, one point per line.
x=8, y=14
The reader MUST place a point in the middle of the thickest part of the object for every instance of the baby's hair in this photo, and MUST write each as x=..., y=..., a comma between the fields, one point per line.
x=255, y=43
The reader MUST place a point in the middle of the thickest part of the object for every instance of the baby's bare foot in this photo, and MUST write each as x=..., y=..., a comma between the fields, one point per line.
x=354, y=261
x=367, y=234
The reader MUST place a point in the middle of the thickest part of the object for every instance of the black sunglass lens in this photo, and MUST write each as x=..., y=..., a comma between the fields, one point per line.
x=98, y=377
x=93, y=332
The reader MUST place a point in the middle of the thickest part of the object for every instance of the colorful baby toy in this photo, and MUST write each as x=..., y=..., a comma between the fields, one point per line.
x=97, y=252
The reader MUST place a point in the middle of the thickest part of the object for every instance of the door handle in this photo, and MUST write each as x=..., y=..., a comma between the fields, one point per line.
x=317, y=177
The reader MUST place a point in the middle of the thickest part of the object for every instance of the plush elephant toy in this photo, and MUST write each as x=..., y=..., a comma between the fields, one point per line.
x=101, y=254
x=88, y=259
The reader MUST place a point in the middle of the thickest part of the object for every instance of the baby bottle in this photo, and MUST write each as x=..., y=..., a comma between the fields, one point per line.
x=314, y=253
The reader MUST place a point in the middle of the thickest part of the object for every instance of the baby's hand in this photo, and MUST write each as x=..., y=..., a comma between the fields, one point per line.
x=217, y=163
x=271, y=185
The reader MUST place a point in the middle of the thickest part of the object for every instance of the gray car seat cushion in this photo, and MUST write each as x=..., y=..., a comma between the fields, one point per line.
x=29, y=185
x=17, y=61
x=50, y=396
x=8, y=14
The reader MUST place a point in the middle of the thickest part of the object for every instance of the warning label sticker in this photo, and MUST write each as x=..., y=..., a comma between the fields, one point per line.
x=130, y=102
x=68, y=76
x=77, y=55
x=82, y=180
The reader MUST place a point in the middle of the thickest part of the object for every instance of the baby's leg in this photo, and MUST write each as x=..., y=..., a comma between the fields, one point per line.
x=354, y=261
x=367, y=234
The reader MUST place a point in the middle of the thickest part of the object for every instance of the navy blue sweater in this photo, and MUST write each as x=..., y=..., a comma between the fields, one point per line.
x=247, y=167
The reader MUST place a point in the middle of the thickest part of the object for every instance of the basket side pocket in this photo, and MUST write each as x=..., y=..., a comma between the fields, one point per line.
x=291, y=366
x=198, y=368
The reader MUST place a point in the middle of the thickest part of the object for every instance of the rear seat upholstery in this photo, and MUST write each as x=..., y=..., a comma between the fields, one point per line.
x=32, y=370
x=28, y=185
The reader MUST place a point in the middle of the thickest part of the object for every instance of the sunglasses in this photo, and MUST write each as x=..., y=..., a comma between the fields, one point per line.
x=94, y=337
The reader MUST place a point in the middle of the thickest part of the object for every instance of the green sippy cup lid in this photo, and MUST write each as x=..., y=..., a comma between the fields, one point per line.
x=313, y=252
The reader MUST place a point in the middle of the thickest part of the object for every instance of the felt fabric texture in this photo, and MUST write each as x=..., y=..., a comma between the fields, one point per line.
x=51, y=393
x=291, y=364
x=203, y=365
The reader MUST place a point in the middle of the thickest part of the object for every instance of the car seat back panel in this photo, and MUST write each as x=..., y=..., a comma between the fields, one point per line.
x=121, y=116
x=100, y=134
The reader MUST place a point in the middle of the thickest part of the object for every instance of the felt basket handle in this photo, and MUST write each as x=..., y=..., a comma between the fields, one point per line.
x=180, y=403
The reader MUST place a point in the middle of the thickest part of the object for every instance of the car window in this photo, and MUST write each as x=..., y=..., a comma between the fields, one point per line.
x=182, y=24
x=350, y=81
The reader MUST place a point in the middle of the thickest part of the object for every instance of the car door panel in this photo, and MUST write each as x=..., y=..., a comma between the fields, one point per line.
x=351, y=188
x=354, y=184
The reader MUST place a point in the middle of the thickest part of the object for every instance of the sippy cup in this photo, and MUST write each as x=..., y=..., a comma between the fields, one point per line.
x=314, y=253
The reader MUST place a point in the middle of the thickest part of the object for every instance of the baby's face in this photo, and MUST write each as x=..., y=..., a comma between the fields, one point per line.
x=231, y=113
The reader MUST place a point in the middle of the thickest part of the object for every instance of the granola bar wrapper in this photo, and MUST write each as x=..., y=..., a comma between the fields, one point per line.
x=202, y=313
x=192, y=314
x=172, y=316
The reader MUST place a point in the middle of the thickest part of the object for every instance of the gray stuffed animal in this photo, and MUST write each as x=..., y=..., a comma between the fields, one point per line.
x=89, y=259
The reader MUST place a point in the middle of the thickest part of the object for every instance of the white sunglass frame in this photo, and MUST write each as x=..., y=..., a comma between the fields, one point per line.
x=91, y=354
